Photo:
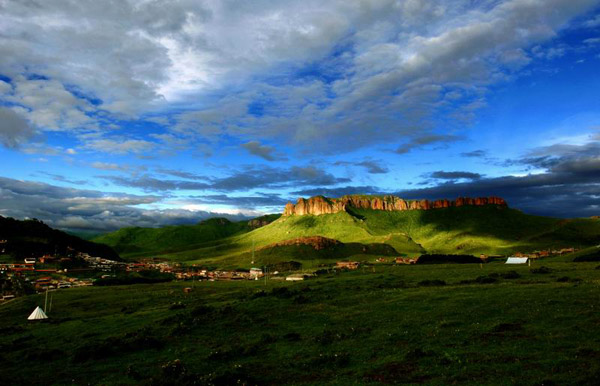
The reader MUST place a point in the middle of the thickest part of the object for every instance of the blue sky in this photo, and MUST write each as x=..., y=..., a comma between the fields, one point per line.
x=149, y=114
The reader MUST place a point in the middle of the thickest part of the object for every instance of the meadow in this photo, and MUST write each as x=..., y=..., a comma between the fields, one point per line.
x=382, y=324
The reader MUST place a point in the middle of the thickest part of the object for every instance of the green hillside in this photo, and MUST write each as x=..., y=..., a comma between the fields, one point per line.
x=33, y=238
x=456, y=230
x=136, y=241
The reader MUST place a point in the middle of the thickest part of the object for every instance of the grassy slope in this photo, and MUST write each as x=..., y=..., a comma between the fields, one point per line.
x=470, y=230
x=463, y=230
x=356, y=327
x=131, y=242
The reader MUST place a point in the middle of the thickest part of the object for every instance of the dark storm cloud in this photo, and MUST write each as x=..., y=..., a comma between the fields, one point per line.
x=78, y=209
x=441, y=175
x=570, y=188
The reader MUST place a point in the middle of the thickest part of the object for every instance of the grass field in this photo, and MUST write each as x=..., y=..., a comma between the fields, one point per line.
x=462, y=230
x=439, y=324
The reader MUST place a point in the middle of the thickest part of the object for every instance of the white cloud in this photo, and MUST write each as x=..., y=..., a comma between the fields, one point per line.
x=94, y=62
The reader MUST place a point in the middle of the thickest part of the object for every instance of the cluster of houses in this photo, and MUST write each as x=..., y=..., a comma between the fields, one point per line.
x=537, y=254
x=49, y=283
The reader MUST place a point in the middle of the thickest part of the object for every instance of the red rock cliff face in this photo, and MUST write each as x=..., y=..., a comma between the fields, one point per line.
x=321, y=205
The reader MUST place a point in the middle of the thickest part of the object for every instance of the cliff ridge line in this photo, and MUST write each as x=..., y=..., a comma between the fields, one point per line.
x=318, y=205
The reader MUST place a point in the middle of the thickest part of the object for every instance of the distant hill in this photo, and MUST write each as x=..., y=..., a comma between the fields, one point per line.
x=33, y=238
x=467, y=229
x=136, y=241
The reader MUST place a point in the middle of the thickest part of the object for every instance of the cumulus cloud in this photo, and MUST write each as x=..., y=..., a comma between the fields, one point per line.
x=311, y=71
x=14, y=129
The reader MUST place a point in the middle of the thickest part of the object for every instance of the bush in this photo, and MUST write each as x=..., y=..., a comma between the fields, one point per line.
x=486, y=280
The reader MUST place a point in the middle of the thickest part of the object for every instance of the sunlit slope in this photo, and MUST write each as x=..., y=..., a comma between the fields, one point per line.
x=473, y=230
x=487, y=229
x=132, y=242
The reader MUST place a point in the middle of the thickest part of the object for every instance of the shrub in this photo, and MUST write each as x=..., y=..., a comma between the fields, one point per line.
x=486, y=280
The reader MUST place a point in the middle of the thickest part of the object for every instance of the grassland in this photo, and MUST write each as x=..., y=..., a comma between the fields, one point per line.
x=441, y=324
x=462, y=230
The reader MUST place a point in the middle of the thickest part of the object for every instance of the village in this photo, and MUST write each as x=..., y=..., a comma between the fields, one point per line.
x=47, y=272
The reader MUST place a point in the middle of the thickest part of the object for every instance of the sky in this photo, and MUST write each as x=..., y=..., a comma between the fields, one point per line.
x=151, y=113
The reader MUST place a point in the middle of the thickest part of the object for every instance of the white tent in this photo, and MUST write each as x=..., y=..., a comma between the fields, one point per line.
x=516, y=260
x=37, y=314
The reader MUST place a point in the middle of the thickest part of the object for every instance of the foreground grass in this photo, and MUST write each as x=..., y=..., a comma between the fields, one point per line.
x=486, y=325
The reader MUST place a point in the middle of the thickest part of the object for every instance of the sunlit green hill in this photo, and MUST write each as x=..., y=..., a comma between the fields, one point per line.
x=136, y=241
x=457, y=230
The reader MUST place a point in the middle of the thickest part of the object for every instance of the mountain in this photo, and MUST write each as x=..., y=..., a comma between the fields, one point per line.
x=33, y=238
x=482, y=227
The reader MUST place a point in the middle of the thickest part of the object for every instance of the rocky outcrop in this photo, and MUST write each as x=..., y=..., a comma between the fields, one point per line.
x=316, y=242
x=322, y=205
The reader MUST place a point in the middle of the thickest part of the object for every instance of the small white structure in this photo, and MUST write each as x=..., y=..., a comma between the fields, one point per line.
x=517, y=260
x=37, y=314
x=256, y=272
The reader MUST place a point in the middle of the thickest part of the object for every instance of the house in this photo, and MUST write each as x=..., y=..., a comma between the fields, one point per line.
x=297, y=277
x=347, y=264
x=407, y=260
x=517, y=260
x=256, y=272
x=30, y=260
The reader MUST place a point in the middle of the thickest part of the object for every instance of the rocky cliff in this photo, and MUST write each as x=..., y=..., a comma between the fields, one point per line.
x=322, y=205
